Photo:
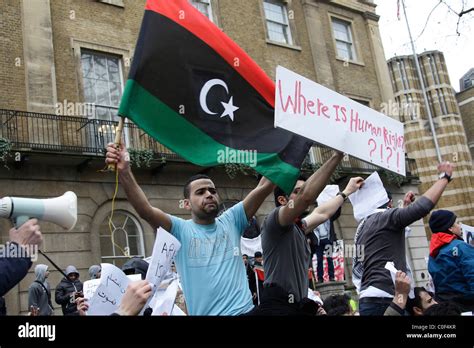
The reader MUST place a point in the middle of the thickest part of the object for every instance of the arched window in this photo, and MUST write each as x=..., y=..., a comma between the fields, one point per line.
x=122, y=240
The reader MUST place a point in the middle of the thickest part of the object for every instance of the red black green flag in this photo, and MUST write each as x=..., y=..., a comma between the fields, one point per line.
x=198, y=93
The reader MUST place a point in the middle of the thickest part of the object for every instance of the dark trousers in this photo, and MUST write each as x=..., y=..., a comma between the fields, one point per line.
x=276, y=301
x=373, y=305
x=319, y=254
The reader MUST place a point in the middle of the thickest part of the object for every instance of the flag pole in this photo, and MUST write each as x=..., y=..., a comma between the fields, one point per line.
x=423, y=88
x=118, y=139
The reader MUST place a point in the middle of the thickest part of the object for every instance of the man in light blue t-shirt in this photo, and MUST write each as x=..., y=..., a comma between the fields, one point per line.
x=209, y=262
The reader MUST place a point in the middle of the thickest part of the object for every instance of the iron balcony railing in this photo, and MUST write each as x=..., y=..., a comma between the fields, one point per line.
x=50, y=133
x=31, y=131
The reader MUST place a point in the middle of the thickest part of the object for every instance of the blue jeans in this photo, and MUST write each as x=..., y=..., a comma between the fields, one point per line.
x=377, y=307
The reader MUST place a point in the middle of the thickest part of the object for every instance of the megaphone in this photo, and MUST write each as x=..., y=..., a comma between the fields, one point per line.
x=60, y=210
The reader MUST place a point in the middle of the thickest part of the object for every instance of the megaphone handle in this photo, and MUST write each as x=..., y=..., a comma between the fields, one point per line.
x=118, y=138
x=20, y=220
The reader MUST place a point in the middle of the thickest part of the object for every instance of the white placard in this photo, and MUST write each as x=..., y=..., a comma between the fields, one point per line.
x=165, y=248
x=109, y=293
x=89, y=287
x=250, y=246
x=369, y=197
x=163, y=301
x=468, y=234
x=329, y=192
x=329, y=118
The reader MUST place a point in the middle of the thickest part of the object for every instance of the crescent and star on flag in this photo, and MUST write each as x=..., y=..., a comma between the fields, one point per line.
x=229, y=107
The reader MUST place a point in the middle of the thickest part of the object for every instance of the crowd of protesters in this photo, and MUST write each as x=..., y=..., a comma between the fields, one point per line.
x=278, y=280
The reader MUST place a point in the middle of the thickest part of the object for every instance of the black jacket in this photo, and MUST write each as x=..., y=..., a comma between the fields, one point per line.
x=63, y=294
x=12, y=268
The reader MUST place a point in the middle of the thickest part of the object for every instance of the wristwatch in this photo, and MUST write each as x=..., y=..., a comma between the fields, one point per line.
x=445, y=175
x=342, y=194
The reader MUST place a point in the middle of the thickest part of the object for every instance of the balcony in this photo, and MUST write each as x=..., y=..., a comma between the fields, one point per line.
x=70, y=135
x=87, y=137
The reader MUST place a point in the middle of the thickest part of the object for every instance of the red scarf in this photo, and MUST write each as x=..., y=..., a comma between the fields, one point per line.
x=438, y=240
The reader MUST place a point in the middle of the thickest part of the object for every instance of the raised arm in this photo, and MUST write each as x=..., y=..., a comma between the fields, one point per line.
x=326, y=211
x=309, y=191
x=154, y=216
x=255, y=198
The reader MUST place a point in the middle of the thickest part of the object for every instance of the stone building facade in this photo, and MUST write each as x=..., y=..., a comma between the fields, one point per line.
x=62, y=72
x=448, y=124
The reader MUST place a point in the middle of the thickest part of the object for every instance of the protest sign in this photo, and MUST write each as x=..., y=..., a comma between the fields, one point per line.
x=369, y=197
x=329, y=118
x=165, y=248
x=109, y=293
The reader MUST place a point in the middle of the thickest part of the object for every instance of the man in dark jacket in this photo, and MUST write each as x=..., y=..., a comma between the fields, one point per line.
x=15, y=257
x=136, y=266
x=451, y=262
x=67, y=290
x=39, y=293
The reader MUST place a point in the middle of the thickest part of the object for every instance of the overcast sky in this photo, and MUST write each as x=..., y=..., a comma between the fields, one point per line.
x=439, y=34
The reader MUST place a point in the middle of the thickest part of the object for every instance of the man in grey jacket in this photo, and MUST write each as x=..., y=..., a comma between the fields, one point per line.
x=39, y=293
x=382, y=235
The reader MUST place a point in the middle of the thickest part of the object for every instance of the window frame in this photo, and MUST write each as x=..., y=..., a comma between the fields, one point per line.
x=291, y=42
x=349, y=25
x=139, y=234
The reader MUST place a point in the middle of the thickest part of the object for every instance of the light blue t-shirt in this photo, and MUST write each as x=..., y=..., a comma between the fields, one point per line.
x=210, y=264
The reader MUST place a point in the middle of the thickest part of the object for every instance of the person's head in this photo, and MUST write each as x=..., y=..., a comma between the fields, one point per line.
x=389, y=203
x=41, y=272
x=337, y=305
x=421, y=302
x=201, y=198
x=443, y=309
x=245, y=258
x=94, y=271
x=258, y=257
x=135, y=266
x=71, y=273
x=445, y=221
x=281, y=198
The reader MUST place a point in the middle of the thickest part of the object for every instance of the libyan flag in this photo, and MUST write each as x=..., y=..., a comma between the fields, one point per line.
x=198, y=93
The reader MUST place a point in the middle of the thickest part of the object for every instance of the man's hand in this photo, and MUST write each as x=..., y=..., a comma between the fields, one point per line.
x=27, y=234
x=82, y=306
x=135, y=297
x=34, y=311
x=119, y=157
x=446, y=167
x=353, y=185
x=408, y=199
x=402, y=288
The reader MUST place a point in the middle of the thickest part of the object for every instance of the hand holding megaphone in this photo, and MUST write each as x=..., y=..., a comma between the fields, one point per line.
x=27, y=234
x=61, y=210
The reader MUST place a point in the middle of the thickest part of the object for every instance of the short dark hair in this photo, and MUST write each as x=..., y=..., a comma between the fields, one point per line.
x=186, y=192
x=416, y=301
x=336, y=305
x=389, y=195
x=277, y=192
x=257, y=254
x=443, y=309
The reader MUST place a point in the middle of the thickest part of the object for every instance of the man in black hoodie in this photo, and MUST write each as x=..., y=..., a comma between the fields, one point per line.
x=67, y=290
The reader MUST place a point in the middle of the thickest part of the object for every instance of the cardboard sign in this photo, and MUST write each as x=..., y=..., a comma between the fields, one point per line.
x=318, y=113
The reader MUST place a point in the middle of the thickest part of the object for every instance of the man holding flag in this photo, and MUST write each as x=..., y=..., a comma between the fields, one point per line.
x=198, y=93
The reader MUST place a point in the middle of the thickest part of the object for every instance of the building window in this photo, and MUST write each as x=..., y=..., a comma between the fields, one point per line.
x=204, y=6
x=433, y=69
x=442, y=102
x=122, y=239
x=403, y=74
x=278, y=27
x=103, y=87
x=344, y=42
